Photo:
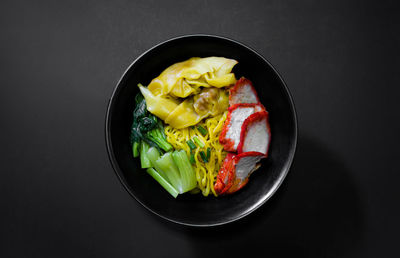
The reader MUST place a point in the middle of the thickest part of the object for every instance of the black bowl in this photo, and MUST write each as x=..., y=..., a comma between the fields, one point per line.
x=195, y=209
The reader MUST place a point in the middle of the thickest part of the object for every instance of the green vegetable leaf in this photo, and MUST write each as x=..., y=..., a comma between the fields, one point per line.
x=144, y=160
x=153, y=155
x=138, y=98
x=167, y=164
x=187, y=174
x=147, y=127
x=164, y=183
x=146, y=124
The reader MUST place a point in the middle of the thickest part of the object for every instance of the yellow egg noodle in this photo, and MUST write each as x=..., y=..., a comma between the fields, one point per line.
x=206, y=173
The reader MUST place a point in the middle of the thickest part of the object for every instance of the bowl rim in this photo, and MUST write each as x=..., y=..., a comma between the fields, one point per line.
x=118, y=170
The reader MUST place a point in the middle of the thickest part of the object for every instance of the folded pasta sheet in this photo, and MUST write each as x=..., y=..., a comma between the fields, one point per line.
x=184, y=79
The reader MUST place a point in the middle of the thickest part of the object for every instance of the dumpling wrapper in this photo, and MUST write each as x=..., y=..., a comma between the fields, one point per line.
x=184, y=115
x=178, y=79
x=210, y=101
x=157, y=105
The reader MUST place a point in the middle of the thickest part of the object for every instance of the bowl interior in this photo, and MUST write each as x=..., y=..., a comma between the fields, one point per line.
x=197, y=209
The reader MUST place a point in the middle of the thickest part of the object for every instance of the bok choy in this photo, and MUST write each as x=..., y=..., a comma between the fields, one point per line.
x=164, y=183
x=175, y=168
x=147, y=128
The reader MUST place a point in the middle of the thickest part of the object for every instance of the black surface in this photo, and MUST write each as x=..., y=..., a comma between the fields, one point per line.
x=189, y=209
x=59, y=63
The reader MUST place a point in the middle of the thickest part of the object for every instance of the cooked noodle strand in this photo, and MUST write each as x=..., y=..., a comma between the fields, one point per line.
x=206, y=173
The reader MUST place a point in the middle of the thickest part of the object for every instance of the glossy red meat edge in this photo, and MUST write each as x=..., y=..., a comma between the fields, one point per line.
x=225, y=175
x=242, y=92
x=227, y=181
x=228, y=143
x=252, y=120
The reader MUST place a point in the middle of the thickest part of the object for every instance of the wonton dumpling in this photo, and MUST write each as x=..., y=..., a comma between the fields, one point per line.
x=210, y=101
x=157, y=105
x=208, y=71
x=226, y=79
x=182, y=88
x=184, y=115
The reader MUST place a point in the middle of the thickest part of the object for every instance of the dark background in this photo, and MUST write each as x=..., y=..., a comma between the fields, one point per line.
x=59, y=63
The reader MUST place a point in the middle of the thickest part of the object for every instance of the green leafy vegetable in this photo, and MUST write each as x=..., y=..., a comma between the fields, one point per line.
x=147, y=124
x=166, y=163
x=146, y=127
x=153, y=156
x=208, y=153
x=164, y=183
x=144, y=160
x=138, y=98
x=156, y=136
x=138, y=112
x=188, y=176
x=175, y=168
x=135, y=149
